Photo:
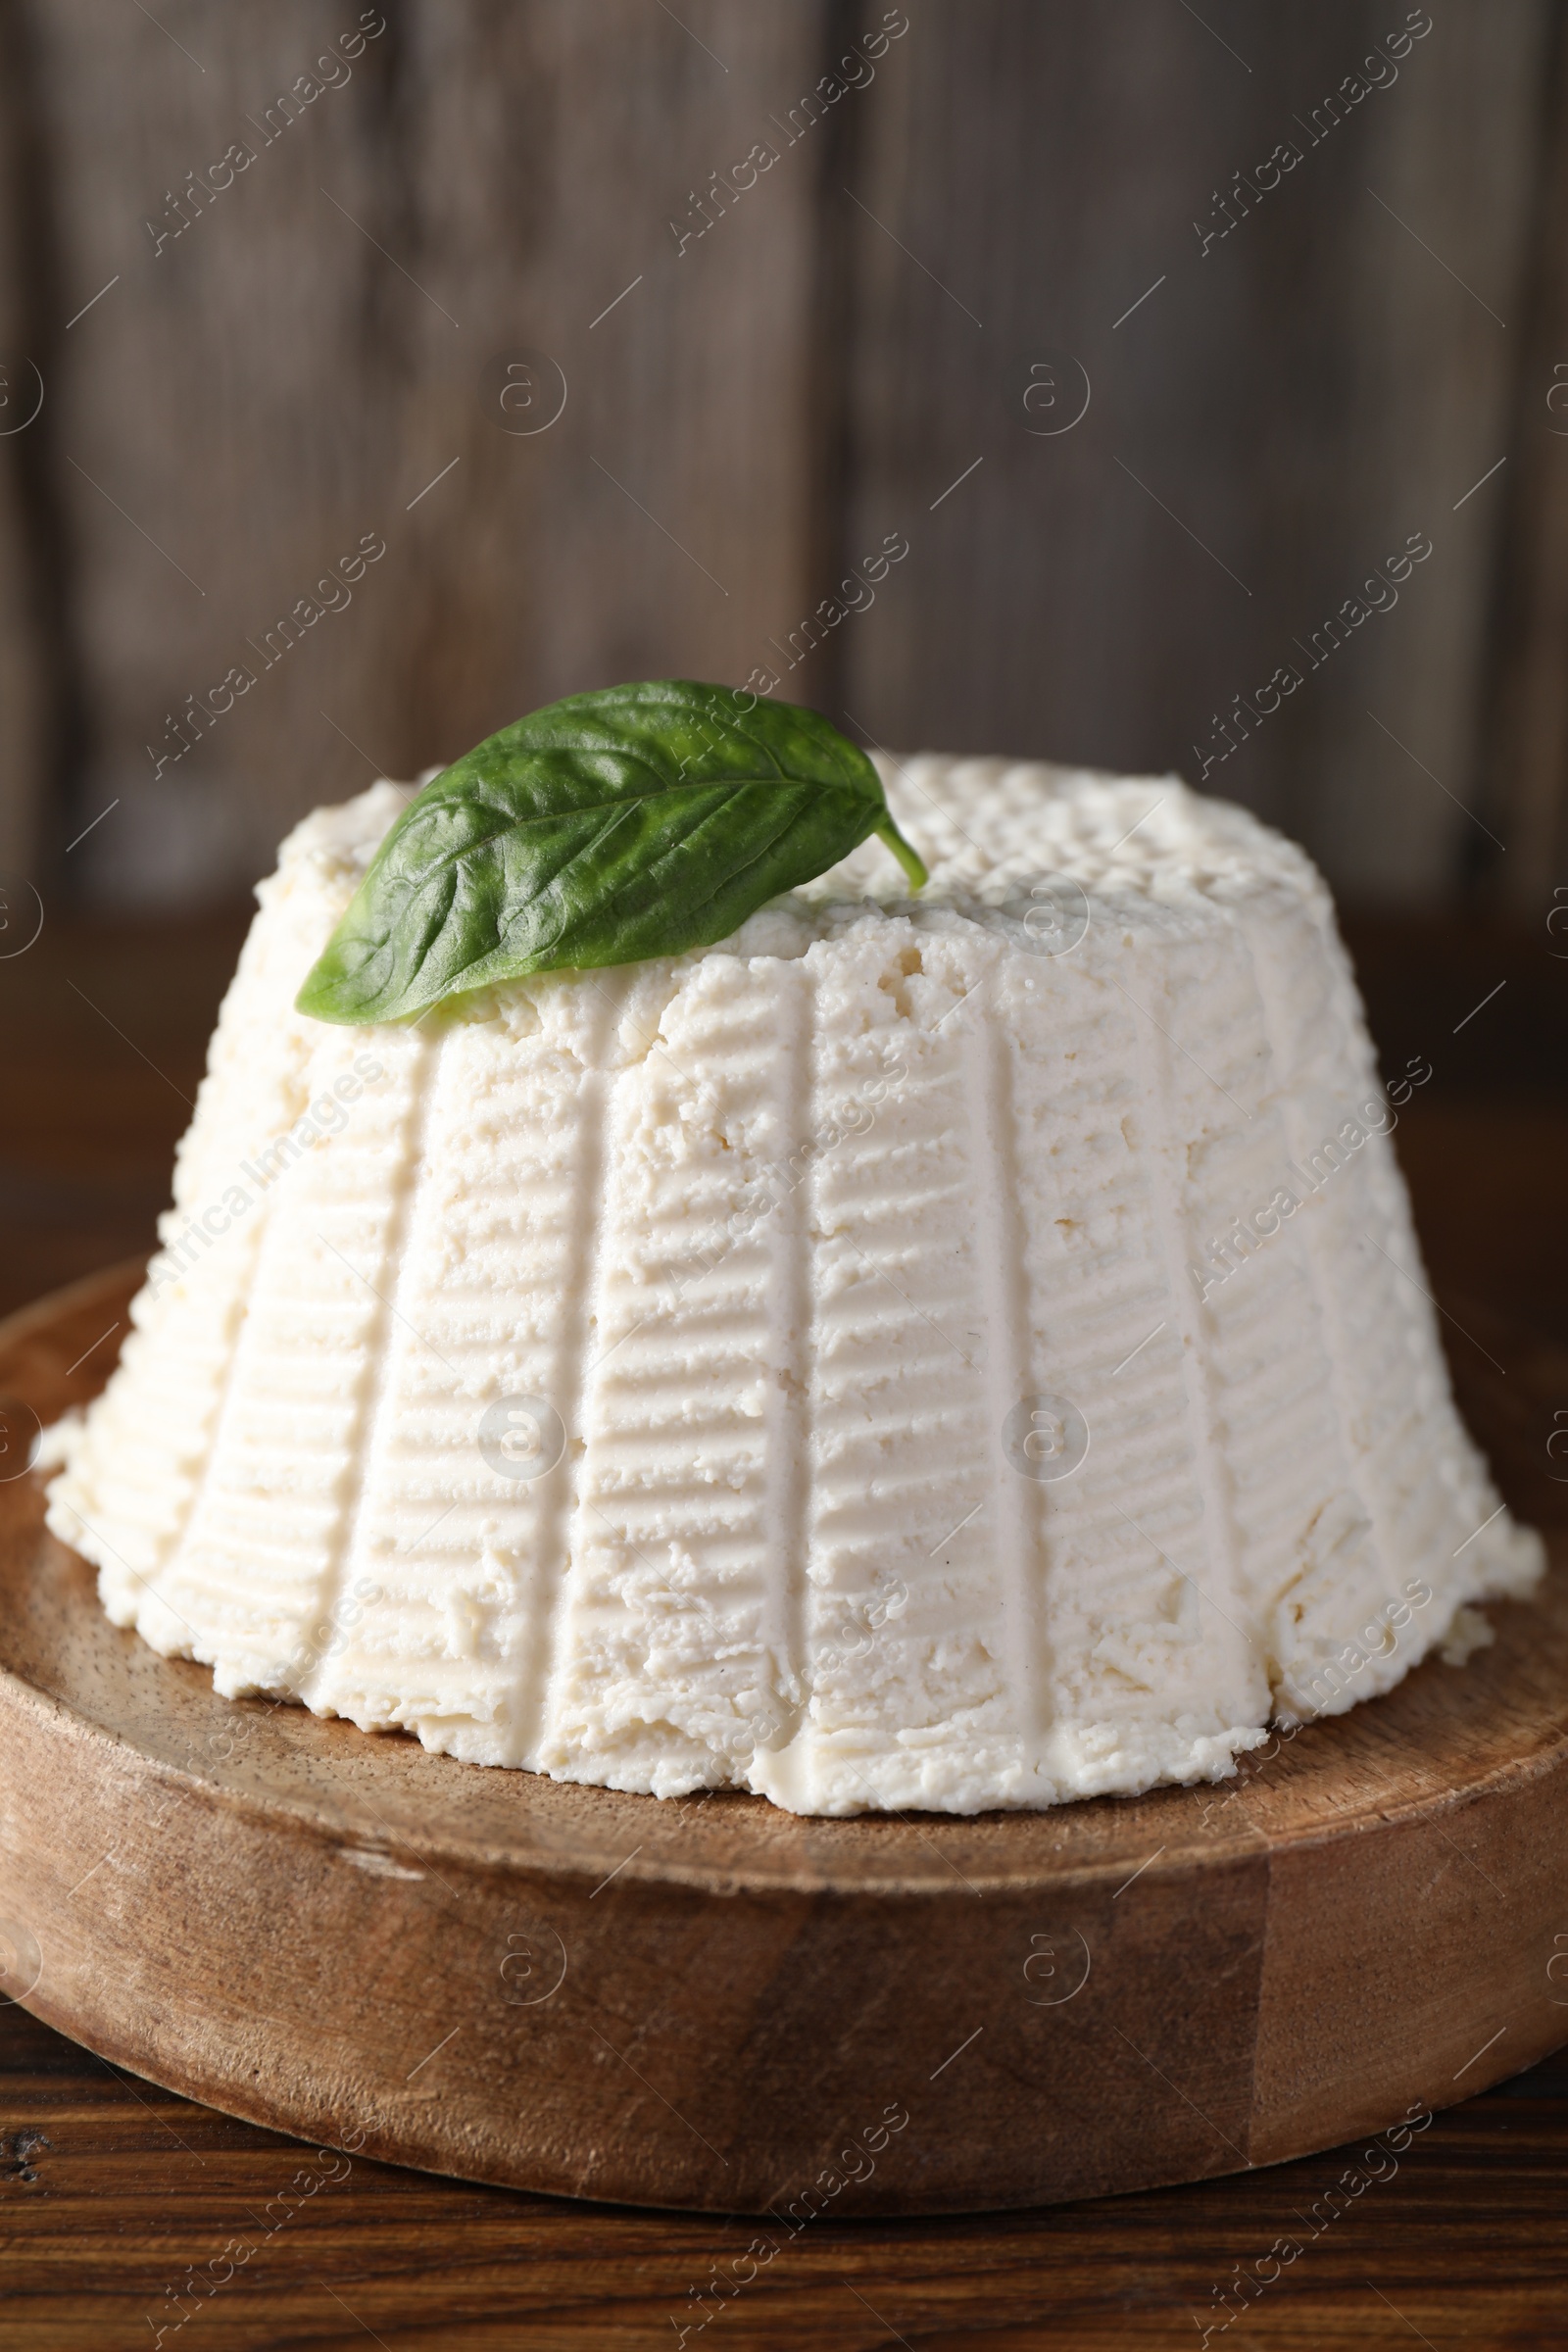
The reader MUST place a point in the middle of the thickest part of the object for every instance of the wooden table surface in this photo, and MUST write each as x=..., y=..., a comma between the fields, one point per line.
x=128, y=2217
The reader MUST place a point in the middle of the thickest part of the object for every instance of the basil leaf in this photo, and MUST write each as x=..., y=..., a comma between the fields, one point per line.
x=613, y=826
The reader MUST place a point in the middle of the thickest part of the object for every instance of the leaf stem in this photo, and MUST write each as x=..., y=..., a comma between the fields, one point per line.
x=909, y=858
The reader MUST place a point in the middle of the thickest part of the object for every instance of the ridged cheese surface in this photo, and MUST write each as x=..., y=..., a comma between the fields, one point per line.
x=955, y=1354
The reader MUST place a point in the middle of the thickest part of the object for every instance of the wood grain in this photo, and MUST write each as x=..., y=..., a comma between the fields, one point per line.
x=38, y=733
x=135, y=2188
x=1281, y=409
x=718, y=2004
x=321, y=342
x=1527, y=764
x=330, y=334
x=101, y=1048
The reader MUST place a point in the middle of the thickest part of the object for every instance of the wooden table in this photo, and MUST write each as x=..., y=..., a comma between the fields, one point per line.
x=116, y=2197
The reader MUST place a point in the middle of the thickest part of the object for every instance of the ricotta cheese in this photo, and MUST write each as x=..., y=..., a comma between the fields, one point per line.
x=948, y=1353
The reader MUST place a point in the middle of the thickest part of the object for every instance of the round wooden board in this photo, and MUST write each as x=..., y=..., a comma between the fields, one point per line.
x=711, y=2004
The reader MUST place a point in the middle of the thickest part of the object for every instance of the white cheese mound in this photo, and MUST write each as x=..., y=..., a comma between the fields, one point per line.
x=878, y=1361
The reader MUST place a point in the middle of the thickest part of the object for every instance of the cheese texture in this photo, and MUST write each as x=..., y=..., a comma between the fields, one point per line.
x=948, y=1353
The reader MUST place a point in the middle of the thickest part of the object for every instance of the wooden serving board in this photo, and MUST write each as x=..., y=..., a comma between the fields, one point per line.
x=711, y=2004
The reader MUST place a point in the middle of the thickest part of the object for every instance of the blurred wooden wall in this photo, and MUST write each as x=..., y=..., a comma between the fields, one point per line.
x=873, y=341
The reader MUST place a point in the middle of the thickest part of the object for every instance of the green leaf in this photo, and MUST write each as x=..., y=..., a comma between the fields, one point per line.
x=637, y=822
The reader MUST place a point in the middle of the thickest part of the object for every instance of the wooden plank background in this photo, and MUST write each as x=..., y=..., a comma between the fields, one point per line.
x=252, y=371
